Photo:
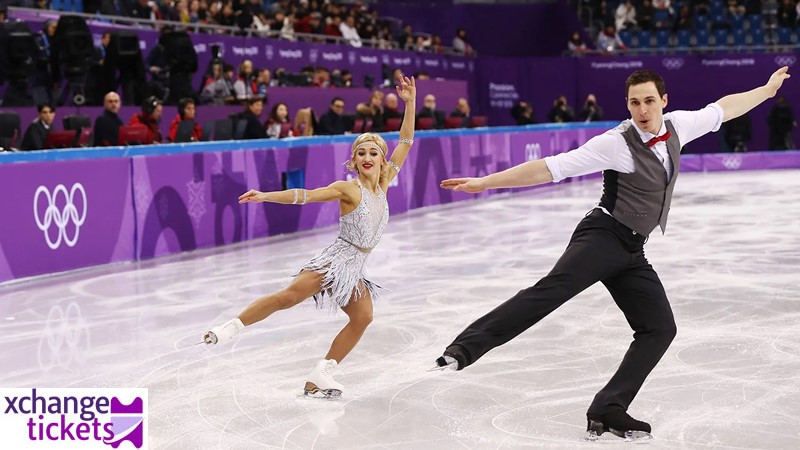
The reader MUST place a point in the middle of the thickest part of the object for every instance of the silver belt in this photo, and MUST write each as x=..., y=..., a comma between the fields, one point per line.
x=361, y=249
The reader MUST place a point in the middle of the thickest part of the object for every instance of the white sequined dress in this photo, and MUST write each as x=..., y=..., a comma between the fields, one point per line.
x=342, y=263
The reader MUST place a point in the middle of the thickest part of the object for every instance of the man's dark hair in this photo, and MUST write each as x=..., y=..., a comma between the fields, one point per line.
x=42, y=106
x=253, y=100
x=337, y=99
x=645, y=76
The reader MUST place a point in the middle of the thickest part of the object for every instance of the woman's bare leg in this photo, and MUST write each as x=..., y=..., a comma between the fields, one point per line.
x=302, y=287
x=359, y=310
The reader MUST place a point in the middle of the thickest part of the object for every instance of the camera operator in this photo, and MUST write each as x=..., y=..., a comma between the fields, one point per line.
x=561, y=111
x=591, y=112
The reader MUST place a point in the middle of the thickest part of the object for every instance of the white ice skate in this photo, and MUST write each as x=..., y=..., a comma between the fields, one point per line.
x=320, y=382
x=223, y=333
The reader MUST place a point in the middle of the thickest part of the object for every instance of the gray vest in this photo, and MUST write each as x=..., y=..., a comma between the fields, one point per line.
x=640, y=200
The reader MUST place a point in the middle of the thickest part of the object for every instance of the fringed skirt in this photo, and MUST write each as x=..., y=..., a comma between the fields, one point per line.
x=342, y=267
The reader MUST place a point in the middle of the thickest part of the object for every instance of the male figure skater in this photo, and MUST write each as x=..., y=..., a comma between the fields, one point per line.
x=640, y=160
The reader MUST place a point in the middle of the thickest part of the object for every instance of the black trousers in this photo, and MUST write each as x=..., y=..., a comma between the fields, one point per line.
x=601, y=249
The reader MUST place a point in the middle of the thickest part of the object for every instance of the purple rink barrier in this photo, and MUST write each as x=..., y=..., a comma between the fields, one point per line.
x=63, y=215
x=144, y=202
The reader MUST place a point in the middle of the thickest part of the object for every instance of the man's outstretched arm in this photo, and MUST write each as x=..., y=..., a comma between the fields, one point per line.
x=735, y=105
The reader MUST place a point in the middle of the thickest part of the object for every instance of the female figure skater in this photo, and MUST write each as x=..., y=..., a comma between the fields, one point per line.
x=336, y=275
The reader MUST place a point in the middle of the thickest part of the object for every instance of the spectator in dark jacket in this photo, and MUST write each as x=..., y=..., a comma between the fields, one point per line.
x=36, y=134
x=253, y=129
x=106, y=126
x=429, y=111
x=333, y=121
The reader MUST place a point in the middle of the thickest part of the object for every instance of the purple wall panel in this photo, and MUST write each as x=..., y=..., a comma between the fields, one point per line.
x=188, y=201
x=65, y=215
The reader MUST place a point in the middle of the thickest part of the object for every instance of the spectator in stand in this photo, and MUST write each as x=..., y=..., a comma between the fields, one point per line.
x=373, y=110
x=609, y=40
x=701, y=8
x=461, y=43
x=429, y=111
x=341, y=78
x=603, y=13
x=685, y=21
x=522, y=112
x=349, y=32
x=332, y=28
x=390, y=109
x=422, y=44
x=333, y=121
x=152, y=109
x=106, y=125
x=287, y=30
x=278, y=116
x=575, y=44
x=625, y=17
x=462, y=111
x=263, y=82
x=409, y=44
x=781, y=122
x=145, y=9
x=310, y=24
x=436, y=44
x=402, y=37
x=252, y=111
x=736, y=8
x=561, y=111
x=662, y=14
x=115, y=8
x=644, y=15
x=36, y=134
x=787, y=14
x=389, y=76
x=591, y=112
x=321, y=77
x=245, y=86
x=227, y=16
x=187, y=111
x=219, y=89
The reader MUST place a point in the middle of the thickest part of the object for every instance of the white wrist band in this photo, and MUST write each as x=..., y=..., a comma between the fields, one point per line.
x=406, y=141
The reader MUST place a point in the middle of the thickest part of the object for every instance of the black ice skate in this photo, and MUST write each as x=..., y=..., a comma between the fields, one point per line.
x=618, y=423
x=453, y=360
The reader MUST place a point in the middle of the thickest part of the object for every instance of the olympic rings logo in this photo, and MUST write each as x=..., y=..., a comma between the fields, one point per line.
x=672, y=63
x=732, y=162
x=785, y=60
x=60, y=218
x=65, y=339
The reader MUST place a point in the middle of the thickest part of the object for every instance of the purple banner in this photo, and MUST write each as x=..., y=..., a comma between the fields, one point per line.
x=64, y=215
x=188, y=201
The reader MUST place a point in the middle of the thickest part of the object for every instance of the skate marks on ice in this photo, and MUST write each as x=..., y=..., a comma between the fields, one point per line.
x=729, y=264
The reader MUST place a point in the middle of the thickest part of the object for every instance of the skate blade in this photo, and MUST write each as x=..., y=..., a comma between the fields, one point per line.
x=209, y=338
x=439, y=367
x=326, y=394
x=616, y=436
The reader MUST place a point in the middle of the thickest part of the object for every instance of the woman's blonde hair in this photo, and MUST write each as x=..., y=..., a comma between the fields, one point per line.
x=379, y=142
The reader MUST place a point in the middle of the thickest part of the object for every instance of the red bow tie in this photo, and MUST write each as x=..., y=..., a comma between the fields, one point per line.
x=658, y=139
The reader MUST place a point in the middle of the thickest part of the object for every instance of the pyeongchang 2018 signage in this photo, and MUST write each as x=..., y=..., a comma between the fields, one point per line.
x=73, y=418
